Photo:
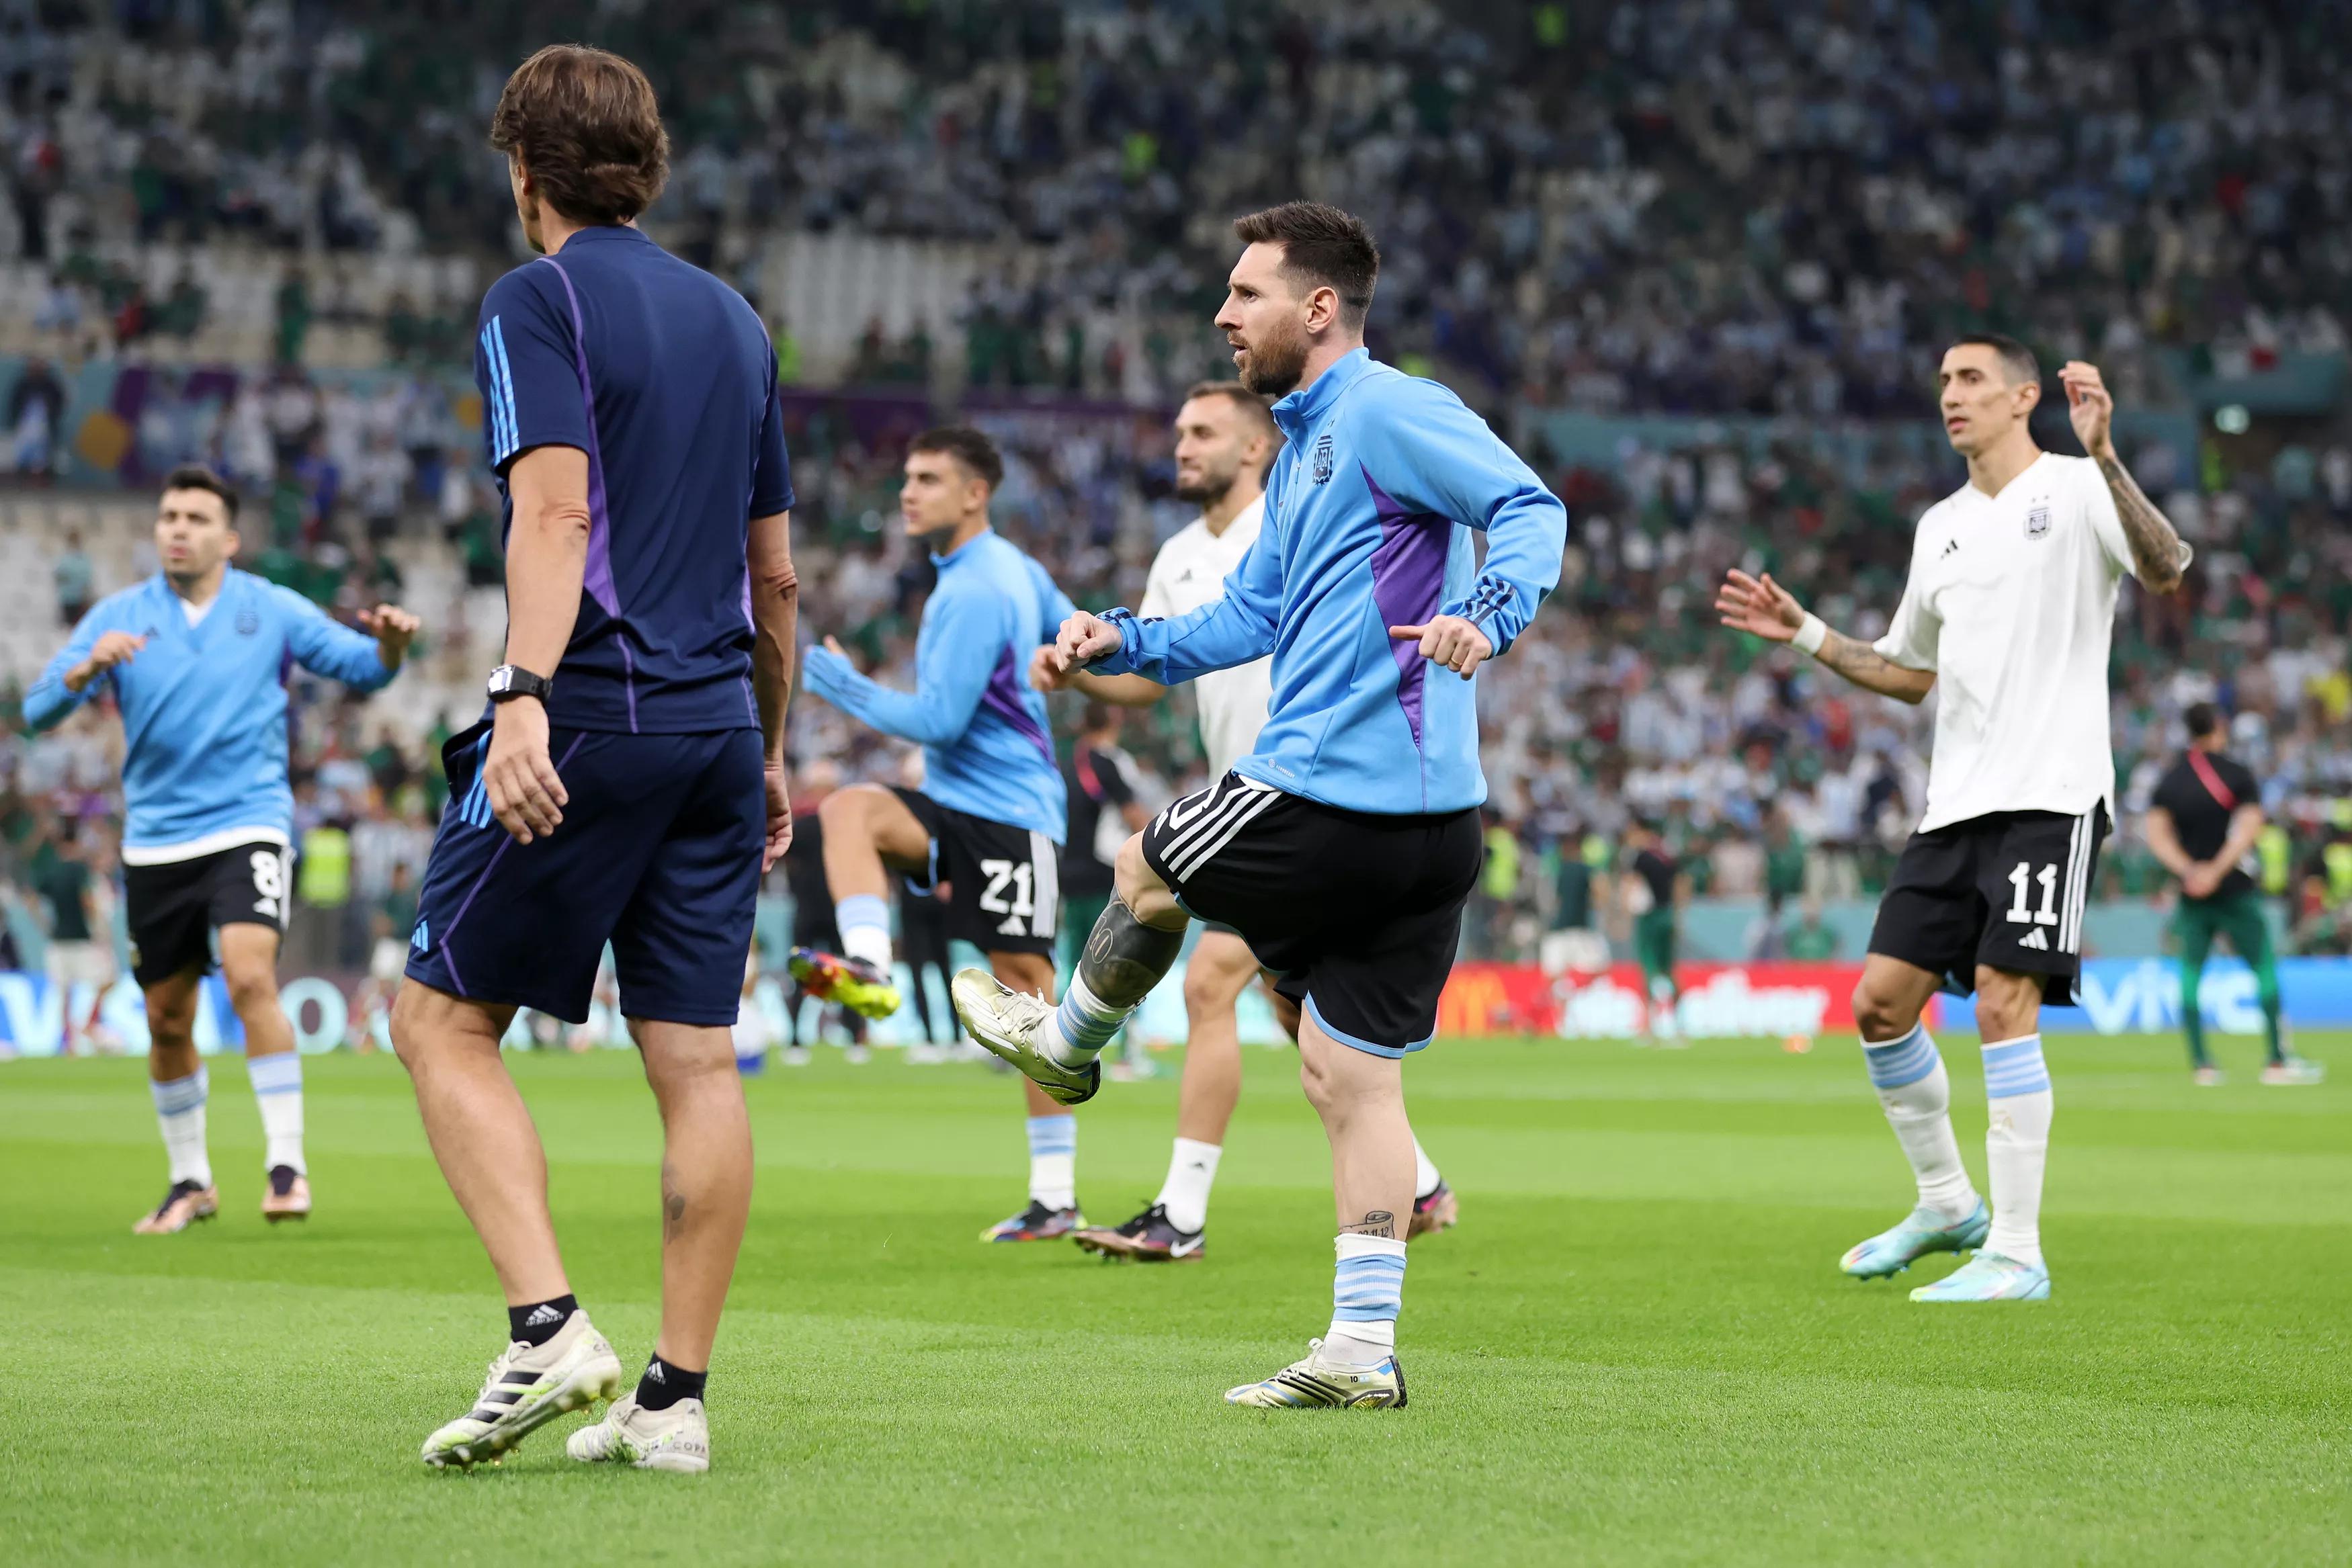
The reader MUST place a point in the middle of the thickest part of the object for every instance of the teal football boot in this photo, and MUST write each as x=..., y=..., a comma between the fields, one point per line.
x=1922, y=1231
x=1989, y=1277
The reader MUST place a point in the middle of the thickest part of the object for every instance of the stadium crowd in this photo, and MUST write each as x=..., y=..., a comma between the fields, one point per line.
x=1584, y=207
x=1703, y=205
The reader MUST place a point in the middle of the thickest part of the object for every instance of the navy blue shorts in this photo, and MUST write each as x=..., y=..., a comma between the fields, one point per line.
x=659, y=853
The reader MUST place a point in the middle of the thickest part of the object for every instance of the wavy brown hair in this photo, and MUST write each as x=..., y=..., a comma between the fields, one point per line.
x=584, y=123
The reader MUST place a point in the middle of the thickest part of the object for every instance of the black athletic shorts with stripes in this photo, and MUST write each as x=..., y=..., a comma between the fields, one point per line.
x=2005, y=890
x=1358, y=914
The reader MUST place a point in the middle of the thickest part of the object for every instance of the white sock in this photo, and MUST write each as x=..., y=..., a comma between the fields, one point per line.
x=863, y=921
x=1191, y=1171
x=1053, y=1161
x=1367, y=1289
x=1425, y=1178
x=277, y=1081
x=1916, y=1094
x=2017, y=1144
x=180, y=1113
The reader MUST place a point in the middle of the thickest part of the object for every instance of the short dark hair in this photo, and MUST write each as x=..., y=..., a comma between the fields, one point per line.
x=1098, y=715
x=1253, y=406
x=2203, y=720
x=2015, y=357
x=968, y=446
x=197, y=476
x=1323, y=245
x=584, y=123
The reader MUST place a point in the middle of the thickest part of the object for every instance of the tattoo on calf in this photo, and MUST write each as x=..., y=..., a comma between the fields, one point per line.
x=673, y=1204
x=1125, y=959
x=1379, y=1222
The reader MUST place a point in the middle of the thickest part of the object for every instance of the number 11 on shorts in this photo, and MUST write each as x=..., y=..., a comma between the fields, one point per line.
x=2020, y=877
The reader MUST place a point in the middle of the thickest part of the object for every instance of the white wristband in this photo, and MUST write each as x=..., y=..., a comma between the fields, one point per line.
x=1810, y=634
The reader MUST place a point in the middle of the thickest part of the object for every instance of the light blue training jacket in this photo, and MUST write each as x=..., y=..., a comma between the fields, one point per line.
x=204, y=708
x=987, y=750
x=1369, y=511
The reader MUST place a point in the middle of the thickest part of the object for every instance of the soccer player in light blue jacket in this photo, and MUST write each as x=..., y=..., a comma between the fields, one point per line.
x=196, y=657
x=990, y=818
x=1343, y=847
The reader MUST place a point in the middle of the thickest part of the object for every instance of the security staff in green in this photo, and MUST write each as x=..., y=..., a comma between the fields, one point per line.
x=2203, y=824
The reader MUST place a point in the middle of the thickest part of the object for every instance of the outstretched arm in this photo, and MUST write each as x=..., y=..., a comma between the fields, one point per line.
x=954, y=656
x=2159, y=557
x=1763, y=608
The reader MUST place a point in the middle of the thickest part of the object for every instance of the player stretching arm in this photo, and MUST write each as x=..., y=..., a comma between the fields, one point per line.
x=2202, y=823
x=1343, y=847
x=1224, y=440
x=2009, y=611
x=627, y=785
x=196, y=658
x=991, y=817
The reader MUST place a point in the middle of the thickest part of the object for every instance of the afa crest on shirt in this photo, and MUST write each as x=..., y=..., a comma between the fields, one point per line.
x=248, y=621
x=1323, y=460
x=2037, y=520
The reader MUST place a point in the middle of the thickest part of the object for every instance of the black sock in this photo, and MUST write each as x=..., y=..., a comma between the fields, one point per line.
x=663, y=1385
x=536, y=1322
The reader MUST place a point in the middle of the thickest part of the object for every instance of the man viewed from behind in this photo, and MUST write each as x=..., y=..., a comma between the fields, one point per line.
x=629, y=784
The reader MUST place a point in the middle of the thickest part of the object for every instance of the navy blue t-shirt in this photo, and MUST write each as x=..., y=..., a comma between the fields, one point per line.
x=664, y=376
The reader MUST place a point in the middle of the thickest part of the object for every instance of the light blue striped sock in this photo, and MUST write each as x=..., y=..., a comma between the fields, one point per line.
x=1083, y=1025
x=1900, y=1062
x=1054, y=1160
x=277, y=1081
x=863, y=921
x=180, y=1115
x=1367, y=1293
x=2017, y=1144
x=2014, y=1067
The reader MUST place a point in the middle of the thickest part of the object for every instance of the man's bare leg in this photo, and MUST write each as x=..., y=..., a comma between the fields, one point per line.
x=706, y=1185
x=250, y=965
x=489, y=1153
x=482, y=1134
x=868, y=833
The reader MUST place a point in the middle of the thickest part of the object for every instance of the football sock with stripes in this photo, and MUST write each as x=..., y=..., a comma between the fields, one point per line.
x=1916, y=1094
x=536, y=1322
x=663, y=1384
x=2017, y=1144
x=1191, y=1172
x=1053, y=1161
x=180, y=1113
x=1425, y=1179
x=1366, y=1291
x=863, y=921
x=1123, y=958
x=276, y=1080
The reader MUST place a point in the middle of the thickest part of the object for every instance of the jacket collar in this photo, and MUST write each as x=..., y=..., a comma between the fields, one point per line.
x=1302, y=408
x=965, y=551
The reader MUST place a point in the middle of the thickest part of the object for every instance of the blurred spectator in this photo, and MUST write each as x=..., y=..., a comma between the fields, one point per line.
x=75, y=578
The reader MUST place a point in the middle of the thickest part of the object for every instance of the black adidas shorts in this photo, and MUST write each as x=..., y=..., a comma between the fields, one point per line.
x=2005, y=890
x=1005, y=886
x=172, y=909
x=1359, y=915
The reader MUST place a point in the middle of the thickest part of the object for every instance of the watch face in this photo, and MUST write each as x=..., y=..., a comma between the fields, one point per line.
x=501, y=679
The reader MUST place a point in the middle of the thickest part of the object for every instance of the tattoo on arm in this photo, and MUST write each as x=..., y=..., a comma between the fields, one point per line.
x=2155, y=542
x=1379, y=1222
x=1868, y=668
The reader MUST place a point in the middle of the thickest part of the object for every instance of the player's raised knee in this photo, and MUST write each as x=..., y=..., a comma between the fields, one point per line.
x=1139, y=887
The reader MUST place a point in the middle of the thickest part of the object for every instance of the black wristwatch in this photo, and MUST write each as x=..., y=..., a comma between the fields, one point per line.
x=509, y=682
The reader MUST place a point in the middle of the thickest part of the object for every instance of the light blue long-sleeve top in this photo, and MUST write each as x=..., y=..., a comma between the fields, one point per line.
x=204, y=708
x=987, y=750
x=1369, y=514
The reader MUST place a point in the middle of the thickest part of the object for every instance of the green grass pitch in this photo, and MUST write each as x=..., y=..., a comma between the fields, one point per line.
x=1637, y=1348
